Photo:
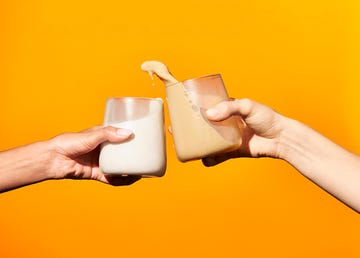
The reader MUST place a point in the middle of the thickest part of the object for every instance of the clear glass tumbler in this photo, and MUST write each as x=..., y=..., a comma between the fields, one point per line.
x=144, y=153
x=196, y=137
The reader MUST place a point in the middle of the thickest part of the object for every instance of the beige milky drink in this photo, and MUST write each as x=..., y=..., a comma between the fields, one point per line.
x=194, y=136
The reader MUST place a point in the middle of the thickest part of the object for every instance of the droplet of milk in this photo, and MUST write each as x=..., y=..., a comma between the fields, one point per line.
x=152, y=78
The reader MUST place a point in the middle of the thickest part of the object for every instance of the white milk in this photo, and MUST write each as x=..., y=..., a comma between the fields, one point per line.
x=144, y=154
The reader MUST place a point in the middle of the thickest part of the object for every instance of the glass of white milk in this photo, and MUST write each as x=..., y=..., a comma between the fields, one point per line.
x=144, y=153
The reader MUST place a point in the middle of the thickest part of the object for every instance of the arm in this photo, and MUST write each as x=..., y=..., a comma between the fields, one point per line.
x=267, y=133
x=330, y=166
x=69, y=155
x=24, y=165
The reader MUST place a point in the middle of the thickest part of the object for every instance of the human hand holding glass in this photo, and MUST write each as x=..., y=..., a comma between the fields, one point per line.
x=68, y=155
x=266, y=133
x=78, y=154
x=261, y=128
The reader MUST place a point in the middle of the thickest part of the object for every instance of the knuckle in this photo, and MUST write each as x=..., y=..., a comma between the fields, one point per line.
x=245, y=105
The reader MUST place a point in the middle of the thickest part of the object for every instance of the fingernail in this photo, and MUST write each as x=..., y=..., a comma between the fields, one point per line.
x=124, y=132
x=212, y=113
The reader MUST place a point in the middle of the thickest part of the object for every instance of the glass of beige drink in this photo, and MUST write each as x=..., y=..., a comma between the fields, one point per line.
x=196, y=137
x=144, y=153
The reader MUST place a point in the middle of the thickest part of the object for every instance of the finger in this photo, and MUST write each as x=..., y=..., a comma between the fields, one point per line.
x=225, y=109
x=114, y=134
x=91, y=129
x=217, y=159
x=170, y=129
x=213, y=161
x=91, y=138
x=121, y=180
x=108, y=133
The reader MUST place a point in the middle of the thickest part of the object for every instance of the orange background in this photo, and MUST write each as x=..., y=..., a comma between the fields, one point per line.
x=60, y=60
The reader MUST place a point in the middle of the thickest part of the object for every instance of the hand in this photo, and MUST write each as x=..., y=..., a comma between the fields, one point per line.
x=76, y=155
x=261, y=129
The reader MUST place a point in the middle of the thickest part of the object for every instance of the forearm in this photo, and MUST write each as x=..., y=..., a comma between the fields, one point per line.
x=24, y=165
x=330, y=166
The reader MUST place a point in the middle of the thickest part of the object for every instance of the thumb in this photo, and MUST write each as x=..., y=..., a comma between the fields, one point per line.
x=93, y=137
x=113, y=134
x=225, y=109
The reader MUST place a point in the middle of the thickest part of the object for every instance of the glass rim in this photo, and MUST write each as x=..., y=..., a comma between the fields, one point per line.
x=130, y=98
x=197, y=78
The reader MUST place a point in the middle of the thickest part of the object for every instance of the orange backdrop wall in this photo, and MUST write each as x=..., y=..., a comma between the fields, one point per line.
x=60, y=60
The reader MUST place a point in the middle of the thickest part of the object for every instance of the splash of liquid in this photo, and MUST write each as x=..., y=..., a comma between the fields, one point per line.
x=160, y=69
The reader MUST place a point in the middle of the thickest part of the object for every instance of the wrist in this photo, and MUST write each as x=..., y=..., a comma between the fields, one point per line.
x=44, y=158
x=293, y=140
x=57, y=167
